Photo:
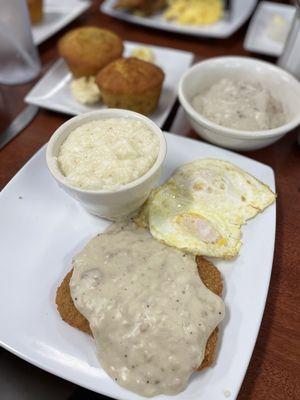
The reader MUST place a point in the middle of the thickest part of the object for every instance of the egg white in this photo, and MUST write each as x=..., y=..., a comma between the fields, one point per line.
x=202, y=207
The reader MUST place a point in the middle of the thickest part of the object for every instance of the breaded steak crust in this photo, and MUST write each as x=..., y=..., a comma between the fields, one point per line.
x=209, y=274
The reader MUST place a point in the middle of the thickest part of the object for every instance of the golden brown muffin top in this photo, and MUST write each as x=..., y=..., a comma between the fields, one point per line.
x=129, y=75
x=87, y=41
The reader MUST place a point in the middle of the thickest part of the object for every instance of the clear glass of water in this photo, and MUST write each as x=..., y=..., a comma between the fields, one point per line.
x=19, y=60
x=290, y=58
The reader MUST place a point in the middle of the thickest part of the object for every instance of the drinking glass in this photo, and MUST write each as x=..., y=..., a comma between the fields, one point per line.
x=19, y=60
x=290, y=58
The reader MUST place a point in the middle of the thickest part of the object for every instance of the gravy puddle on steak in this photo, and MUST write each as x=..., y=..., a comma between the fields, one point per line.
x=149, y=312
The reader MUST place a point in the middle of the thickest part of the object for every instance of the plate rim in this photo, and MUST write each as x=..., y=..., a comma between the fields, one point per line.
x=71, y=15
x=250, y=346
x=105, y=8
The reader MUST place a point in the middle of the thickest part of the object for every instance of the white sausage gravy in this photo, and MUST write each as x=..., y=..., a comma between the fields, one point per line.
x=149, y=312
x=240, y=105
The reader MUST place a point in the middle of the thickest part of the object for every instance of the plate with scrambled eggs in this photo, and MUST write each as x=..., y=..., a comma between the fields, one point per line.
x=194, y=17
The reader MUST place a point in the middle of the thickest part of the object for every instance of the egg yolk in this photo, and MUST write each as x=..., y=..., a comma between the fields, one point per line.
x=198, y=226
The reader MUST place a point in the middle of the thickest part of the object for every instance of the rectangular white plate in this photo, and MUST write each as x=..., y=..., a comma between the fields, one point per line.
x=241, y=11
x=42, y=228
x=257, y=39
x=53, y=90
x=57, y=14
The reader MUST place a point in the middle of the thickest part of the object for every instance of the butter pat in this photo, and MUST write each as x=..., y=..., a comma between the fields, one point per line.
x=85, y=90
x=144, y=53
x=278, y=29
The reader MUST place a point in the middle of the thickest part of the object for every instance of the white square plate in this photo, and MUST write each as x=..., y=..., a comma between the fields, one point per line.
x=42, y=228
x=240, y=12
x=53, y=90
x=257, y=39
x=57, y=14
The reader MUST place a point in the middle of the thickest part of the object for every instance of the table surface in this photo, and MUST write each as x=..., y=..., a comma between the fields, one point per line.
x=274, y=369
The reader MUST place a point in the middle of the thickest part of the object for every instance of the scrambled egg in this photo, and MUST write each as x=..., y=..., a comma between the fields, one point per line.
x=194, y=12
x=202, y=207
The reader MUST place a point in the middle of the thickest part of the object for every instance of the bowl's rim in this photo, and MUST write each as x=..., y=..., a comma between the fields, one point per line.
x=98, y=115
x=236, y=133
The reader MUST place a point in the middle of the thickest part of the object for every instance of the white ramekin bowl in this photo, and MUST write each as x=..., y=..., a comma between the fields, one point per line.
x=105, y=203
x=281, y=85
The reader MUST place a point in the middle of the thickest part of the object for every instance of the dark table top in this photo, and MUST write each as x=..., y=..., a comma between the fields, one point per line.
x=274, y=370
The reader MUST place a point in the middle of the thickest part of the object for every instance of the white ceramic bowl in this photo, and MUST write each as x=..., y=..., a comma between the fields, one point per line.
x=281, y=85
x=105, y=203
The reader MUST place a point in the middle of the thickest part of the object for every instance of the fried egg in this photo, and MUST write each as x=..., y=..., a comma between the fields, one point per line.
x=202, y=207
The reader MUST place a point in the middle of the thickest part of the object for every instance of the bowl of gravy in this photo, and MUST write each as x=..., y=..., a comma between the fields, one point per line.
x=240, y=103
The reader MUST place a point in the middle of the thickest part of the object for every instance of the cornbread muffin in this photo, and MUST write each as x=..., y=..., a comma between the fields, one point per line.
x=35, y=8
x=86, y=50
x=132, y=84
